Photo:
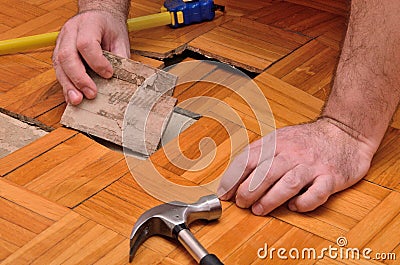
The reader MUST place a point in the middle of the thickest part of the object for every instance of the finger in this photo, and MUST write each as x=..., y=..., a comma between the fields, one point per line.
x=88, y=44
x=287, y=187
x=70, y=62
x=243, y=164
x=122, y=48
x=316, y=195
x=238, y=170
x=266, y=173
x=71, y=94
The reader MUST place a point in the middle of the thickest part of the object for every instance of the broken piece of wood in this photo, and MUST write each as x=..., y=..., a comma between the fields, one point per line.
x=137, y=91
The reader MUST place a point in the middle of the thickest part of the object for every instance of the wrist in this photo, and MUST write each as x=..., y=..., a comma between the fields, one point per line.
x=118, y=9
x=370, y=144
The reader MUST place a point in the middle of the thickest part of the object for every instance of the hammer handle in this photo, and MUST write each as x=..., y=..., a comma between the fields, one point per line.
x=198, y=252
x=210, y=259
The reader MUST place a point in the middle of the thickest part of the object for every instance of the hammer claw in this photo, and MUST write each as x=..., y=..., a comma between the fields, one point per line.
x=171, y=220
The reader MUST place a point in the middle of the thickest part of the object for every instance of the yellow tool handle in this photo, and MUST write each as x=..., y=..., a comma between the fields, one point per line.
x=49, y=39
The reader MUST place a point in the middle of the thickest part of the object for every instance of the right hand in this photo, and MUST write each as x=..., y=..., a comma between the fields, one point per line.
x=83, y=37
x=319, y=158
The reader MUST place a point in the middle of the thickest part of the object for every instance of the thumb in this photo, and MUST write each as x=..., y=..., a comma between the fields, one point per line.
x=121, y=48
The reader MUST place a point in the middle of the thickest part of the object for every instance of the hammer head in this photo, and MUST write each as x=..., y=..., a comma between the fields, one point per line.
x=163, y=219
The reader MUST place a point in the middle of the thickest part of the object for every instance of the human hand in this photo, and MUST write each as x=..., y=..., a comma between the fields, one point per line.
x=319, y=157
x=83, y=37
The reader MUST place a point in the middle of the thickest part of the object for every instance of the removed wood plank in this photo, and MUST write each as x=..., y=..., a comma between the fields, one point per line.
x=135, y=101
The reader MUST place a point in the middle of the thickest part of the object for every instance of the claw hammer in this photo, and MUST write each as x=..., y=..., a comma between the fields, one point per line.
x=171, y=220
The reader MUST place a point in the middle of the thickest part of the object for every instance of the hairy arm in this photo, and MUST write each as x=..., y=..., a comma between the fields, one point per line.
x=99, y=25
x=334, y=152
x=118, y=7
x=366, y=89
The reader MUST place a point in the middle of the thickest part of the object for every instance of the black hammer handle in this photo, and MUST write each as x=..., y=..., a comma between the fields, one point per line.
x=210, y=259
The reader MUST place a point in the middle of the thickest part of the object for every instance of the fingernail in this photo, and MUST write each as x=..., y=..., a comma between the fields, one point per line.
x=292, y=206
x=258, y=209
x=107, y=73
x=89, y=93
x=221, y=193
x=239, y=203
x=72, y=95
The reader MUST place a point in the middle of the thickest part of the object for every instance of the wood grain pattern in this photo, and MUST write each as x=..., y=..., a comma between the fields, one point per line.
x=164, y=42
x=67, y=199
x=340, y=7
x=29, y=152
x=257, y=48
x=309, y=68
x=298, y=18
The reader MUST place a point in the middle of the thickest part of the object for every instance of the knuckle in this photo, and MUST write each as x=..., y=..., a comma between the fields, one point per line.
x=321, y=194
x=292, y=181
x=63, y=55
x=78, y=80
x=83, y=44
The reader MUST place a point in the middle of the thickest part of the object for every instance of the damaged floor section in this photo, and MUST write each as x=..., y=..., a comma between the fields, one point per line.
x=15, y=134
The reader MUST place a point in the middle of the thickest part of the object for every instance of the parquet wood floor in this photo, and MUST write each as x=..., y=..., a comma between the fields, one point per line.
x=66, y=199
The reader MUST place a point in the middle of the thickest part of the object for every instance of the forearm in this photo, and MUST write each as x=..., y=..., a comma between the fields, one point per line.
x=366, y=89
x=117, y=7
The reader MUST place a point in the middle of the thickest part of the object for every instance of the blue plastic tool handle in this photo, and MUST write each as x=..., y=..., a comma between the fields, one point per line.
x=194, y=11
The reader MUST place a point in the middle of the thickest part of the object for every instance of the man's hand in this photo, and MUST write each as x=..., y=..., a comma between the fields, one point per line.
x=334, y=152
x=82, y=38
x=318, y=159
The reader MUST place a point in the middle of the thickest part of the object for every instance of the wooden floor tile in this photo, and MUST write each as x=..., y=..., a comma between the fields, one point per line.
x=340, y=7
x=269, y=234
x=340, y=214
x=297, y=18
x=110, y=211
x=294, y=44
x=309, y=68
x=55, y=182
x=70, y=240
x=386, y=163
x=298, y=239
x=282, y=98
x=258, y=47
x=53, y=116
x=49, y=159
x=99, y=181
x=164, y=42
x=25, y=29
x=240, y=8
x=23, y=216
x=381, y=216
x=33, y=150
x=148, y=61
